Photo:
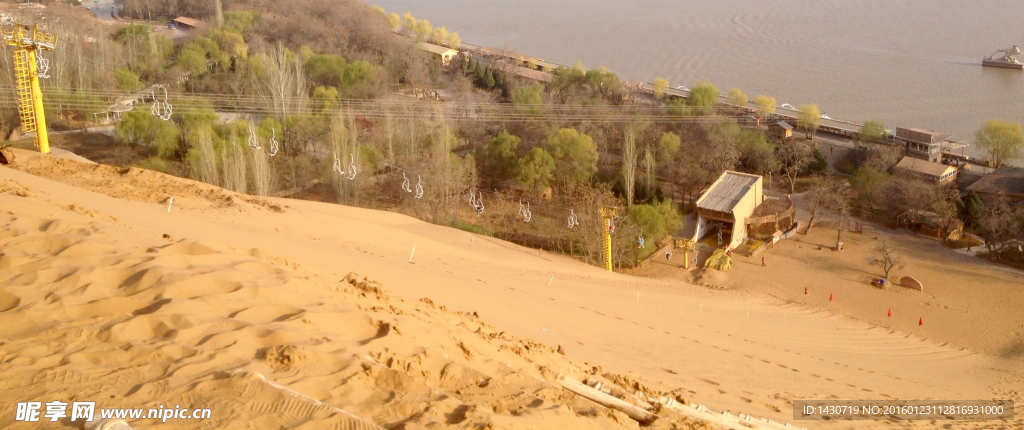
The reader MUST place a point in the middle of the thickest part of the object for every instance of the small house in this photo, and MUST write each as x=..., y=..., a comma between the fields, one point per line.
x=446, y=54
x=724, y=208
x=1008, y=181
x=780, y=131
x=937, y=173
x=187, y=23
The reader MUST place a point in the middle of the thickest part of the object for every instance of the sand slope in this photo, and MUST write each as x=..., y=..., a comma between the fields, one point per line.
x=105, y=291
x=87, y=315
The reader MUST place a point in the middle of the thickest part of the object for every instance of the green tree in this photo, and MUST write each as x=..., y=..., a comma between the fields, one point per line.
x=872, y=131
x=650, y=221
x=575, y=153
x=738, y=98
x=409, y=23
x=536, y=169
x=660, y=85
x=126, y=79
x=818, y=162
x=757, y=154
x=439, y=35
x=326, y=69
x=869, y=186
x=498, y=155
x=230, y=42
x=454, y=40
x=207, y=49
x=670, y=213
x=326, y=98
x=765, y=106
x=125, y=33
x=141, y=128
x=369, y=157
x=975, y=208
x=489, y=81
x=809, y=118
x=703, y=97
x=394, y=21
x=528, y=99
x=423, y=30
x=668, y=146
x=357, y=72
x=240, y=21
x=191, y=61
x=1002, y=140
x=604, y=83
x=678, y=107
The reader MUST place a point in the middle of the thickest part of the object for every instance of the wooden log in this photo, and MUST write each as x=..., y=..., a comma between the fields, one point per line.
x=635, y=412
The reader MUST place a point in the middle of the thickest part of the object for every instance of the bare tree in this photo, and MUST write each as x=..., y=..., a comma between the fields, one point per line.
x=838, y=202
x=998, y=223
x=887, y=259
x=629, y=156
x=881, y=157
x=282, y=80
x=219, y=10
x=202, y=160
x=947, y=206
x=650, y=172
x=794, y=156
x=818, y=197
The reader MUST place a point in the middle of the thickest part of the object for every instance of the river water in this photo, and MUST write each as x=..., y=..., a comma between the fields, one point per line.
x=909, y=63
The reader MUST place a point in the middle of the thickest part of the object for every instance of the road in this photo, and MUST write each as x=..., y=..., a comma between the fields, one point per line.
x=104, y=9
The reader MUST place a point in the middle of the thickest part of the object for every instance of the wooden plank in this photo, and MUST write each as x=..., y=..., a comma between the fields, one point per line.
x=635, y=412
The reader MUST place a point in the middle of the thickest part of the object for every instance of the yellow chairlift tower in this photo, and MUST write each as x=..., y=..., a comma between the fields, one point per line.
x=606, y=237
x=28, y=39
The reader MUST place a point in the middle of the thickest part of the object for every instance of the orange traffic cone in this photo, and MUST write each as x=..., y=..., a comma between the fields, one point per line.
x=805, y=291
x=920, y=321
x=890, y=312
x=831, y=297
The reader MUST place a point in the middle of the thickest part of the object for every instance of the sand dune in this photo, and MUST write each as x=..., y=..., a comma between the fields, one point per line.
x=276, y=312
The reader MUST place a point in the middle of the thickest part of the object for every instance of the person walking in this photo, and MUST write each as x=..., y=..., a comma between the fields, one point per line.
x=762, y=262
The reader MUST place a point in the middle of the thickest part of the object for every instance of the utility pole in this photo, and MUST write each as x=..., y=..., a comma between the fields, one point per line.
x=28, y=40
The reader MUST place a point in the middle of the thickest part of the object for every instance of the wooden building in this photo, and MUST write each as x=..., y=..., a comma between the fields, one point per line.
x=187, y=23
x=444, y=53
x=724, y=208
x=937, y=173
x=779, y=131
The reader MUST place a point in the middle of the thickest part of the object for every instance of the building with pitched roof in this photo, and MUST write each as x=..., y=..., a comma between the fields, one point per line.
x=780, y=131
x=186, y=22
x=724, y=208
x=1008, y=181
x=446, y=54
x=926, y=170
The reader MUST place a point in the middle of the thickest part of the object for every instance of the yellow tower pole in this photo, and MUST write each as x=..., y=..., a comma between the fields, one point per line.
x=606, y=243
x=37, y=101
x=606, y=236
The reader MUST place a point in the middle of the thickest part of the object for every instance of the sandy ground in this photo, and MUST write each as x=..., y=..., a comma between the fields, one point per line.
x=106, y=294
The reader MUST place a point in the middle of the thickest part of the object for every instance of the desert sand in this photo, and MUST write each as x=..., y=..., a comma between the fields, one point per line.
x=285, y=313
